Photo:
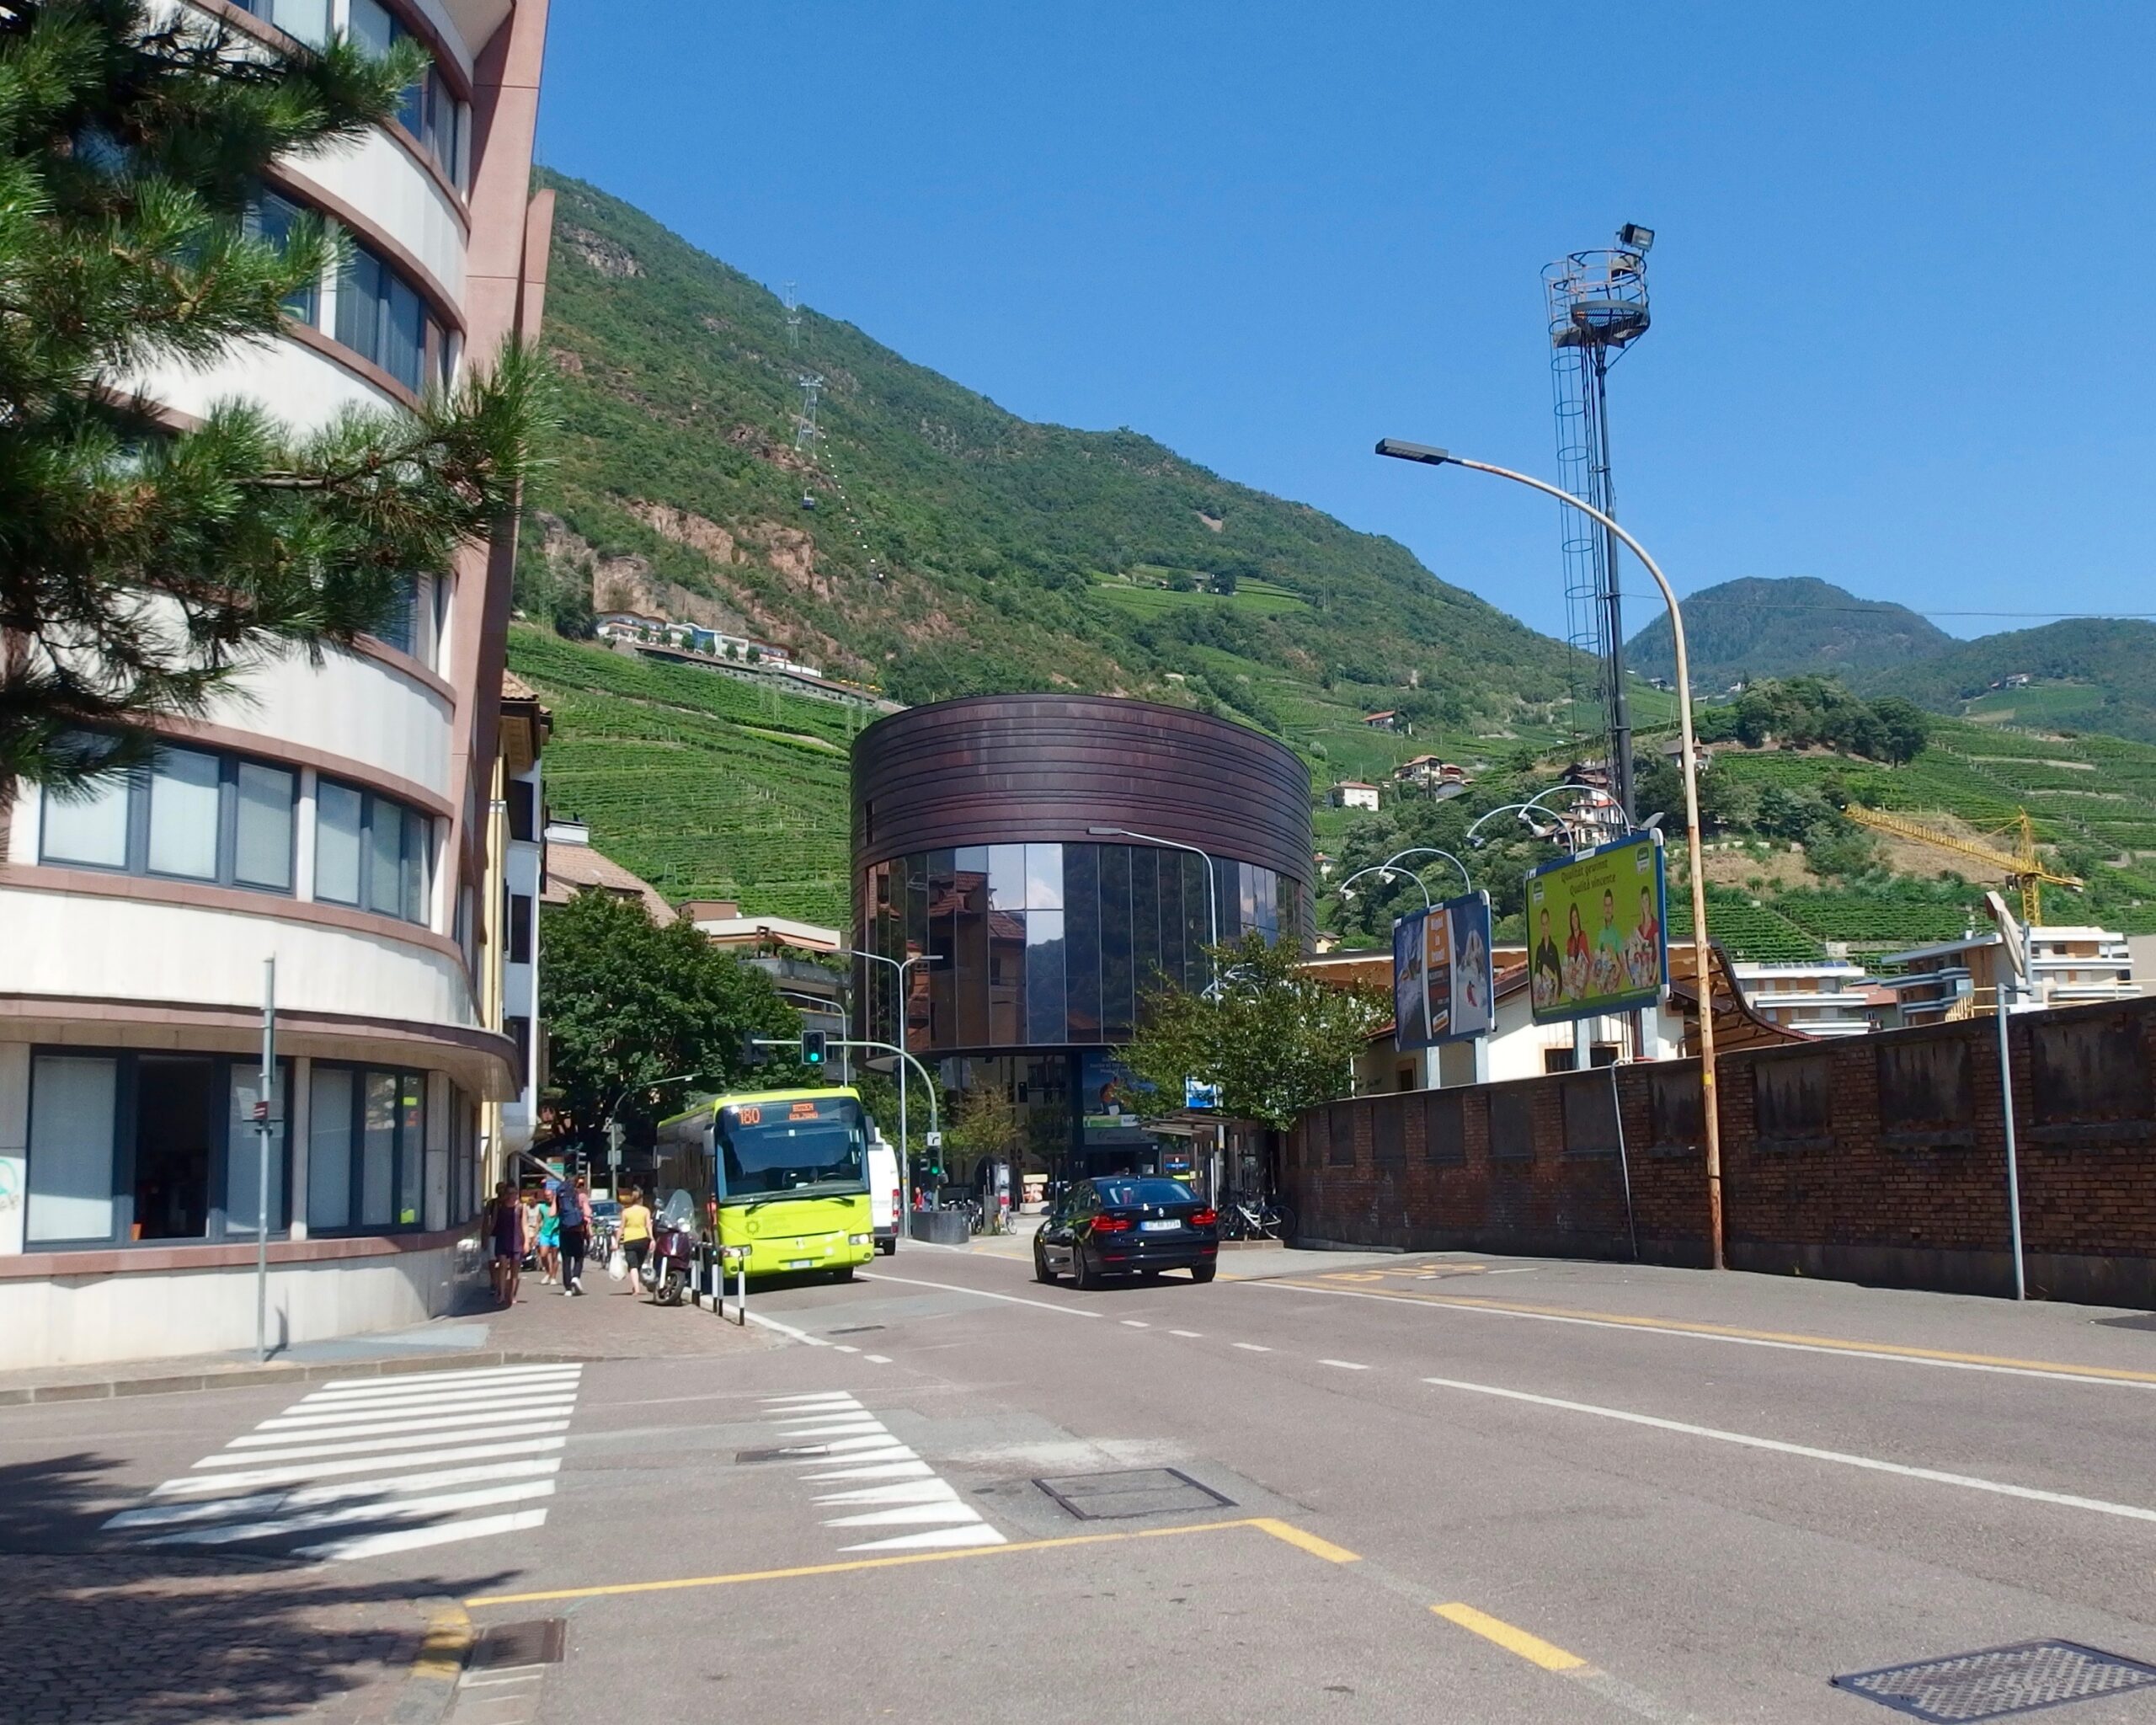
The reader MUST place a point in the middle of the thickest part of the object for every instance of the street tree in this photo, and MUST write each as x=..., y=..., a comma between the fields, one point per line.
x=628, y=1003
x=144, y=564
x=984, y=1123
x=1273, y=1037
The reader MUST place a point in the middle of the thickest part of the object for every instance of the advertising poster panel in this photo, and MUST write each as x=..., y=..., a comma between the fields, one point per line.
x=1597, y=939
x=1442, y=985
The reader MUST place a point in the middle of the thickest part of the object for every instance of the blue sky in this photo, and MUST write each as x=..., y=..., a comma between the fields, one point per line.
x=1905, y=266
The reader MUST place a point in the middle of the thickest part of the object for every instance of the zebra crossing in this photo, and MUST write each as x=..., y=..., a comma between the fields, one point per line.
x=364, y=1467
x=884, y=1485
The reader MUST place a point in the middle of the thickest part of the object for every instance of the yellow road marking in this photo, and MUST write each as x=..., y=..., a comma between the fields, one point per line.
x=1531, y=1647
x=1283, y=1530
x=447, y=1644
x=1839, y=1344
x=1304, y=1542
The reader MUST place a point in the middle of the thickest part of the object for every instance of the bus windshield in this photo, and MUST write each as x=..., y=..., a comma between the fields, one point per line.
x=769, y=1149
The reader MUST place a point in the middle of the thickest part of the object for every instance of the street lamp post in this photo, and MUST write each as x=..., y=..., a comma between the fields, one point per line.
x=1466, y=879
x=1212, y=896
x=1422, y=452
x=1387, y=870
x=905, y=1157
x=613, y=1168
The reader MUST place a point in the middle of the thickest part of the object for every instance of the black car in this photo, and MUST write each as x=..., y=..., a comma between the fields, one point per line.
x=1126, y=1225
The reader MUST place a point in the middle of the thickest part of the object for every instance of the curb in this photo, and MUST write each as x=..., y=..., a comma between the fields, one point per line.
x=429, y=1688
x=246, y=1377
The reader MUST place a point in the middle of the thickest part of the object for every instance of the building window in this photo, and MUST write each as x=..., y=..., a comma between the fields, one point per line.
x=305, y=20
x=381, y=317
x=519, y=1031
x=190, y=815
x=520, y=928
x=429, y=110
x=270, y=218
x=371, y=851
x=130, y=1146
x=523, y=811
x=367, y=1149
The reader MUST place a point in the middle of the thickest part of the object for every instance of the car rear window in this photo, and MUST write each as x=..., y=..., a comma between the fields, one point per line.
x=1133, y=1192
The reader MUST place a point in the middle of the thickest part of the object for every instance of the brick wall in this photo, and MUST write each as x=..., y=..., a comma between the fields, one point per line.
x=1875, y=1158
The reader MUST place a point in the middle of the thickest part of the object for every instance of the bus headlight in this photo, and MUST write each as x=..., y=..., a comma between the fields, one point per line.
x=856, y=1239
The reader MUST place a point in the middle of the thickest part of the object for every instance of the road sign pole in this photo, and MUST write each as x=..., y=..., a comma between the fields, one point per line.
x=262, y=1164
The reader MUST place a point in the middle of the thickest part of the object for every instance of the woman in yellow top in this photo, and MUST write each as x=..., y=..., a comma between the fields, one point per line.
x=636, y=1236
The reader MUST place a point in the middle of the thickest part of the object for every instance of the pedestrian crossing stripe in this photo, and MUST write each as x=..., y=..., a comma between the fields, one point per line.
x=365, y=1467
x=832, y=1428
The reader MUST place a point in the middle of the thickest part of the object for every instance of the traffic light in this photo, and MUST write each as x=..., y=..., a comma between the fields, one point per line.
x=752, y=1052
x=812, y=1048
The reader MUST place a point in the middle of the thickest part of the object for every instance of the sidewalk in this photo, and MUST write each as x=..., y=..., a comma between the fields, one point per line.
x=607, y=1324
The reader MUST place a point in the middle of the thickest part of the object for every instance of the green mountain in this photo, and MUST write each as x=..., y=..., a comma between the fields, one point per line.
x=2087, y=673
x=933, y=543
x=1758, y=627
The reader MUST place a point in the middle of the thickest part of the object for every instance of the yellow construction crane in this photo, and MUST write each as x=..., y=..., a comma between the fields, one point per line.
x=2022, y=866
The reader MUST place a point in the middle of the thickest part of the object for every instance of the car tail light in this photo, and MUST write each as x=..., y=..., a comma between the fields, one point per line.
x=1204, y=1218
x=1111, y=1224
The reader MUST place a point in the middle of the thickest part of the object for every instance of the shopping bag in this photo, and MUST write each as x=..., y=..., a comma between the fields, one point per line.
x=618, y=1266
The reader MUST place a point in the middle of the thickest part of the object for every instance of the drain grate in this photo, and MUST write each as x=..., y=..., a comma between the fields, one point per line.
x=1136, y=1491
x=535, y=1641
x=1999, y=1681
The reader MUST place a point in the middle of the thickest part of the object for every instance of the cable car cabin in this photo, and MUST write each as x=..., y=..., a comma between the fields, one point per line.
x=779, y=1178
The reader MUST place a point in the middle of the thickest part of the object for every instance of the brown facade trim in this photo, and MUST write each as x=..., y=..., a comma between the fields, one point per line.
x=366, y=647
x=420, y=154
x=338, y=767
x=93, y=883
x=247, y=23
x=444, y=304
x=149, y=1260
x=307, y=336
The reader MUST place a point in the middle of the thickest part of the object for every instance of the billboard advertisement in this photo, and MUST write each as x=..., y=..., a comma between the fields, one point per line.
x=1113, y=1101
x=1597, y=932
x=1442, y=986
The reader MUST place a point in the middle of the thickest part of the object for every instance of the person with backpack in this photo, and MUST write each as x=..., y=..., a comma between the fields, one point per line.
x=573, y=1204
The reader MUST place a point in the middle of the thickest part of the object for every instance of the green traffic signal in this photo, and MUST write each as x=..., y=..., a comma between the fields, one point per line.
x=812, y=1048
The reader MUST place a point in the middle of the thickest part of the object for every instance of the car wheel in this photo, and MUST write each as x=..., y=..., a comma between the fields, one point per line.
x=1042, y=1272
x=1203, y=1272
x=1082, y=1275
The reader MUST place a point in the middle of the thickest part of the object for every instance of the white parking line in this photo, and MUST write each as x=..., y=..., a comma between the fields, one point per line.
x=2129, y=1512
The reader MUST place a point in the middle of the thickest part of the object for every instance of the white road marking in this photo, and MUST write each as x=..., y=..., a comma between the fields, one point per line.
x=915, y=1469
x=1188, y=1335
x=980, y=1534
x=434, y=1384
x=919, y=1491
x=364, y=1469
x=1344, y=1364
x=247, y=1458
x=490, y=1374
x=851, y=1428
x=195, y=1485
x=1135, y=1323
x=908, y=1515
x=843, y=1349
x=846, y=1396
x=1672, y=1329
x=1253, y=1347
x=983, y=1293
x=801, y=1336
x=379, y=1544
x=876, y=1358
x=2129, y=1512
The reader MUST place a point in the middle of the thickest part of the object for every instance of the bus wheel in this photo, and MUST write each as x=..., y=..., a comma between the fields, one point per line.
x=843, y=1273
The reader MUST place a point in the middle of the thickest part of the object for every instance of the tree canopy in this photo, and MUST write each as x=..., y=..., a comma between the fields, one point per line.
x=144, y=564
x=1273, y=1037
x=628, y=1004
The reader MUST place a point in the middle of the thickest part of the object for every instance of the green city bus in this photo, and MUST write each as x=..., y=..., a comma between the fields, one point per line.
x=779, y=1177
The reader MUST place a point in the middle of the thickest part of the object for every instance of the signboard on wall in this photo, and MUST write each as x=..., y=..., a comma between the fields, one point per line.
x=1597, y=932
x=1112, y=1100
x=1443, y=990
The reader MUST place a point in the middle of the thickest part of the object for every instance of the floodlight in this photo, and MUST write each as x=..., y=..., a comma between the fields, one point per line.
x=1635, y=238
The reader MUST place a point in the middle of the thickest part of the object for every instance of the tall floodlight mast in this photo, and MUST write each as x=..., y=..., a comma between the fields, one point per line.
x=1598, y=305
x=804, y=422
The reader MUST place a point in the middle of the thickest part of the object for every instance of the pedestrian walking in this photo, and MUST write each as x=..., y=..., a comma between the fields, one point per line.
x=636, y=1236
x=573, y=1204
x=506, y=1222
x=550, y=1237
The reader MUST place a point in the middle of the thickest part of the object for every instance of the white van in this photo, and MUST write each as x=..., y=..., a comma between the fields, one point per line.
x=885, y=1204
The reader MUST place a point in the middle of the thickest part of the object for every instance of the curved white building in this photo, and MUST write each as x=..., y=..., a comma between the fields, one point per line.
x=338, y=819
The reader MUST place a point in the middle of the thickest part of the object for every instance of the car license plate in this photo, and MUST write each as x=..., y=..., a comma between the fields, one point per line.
x=1168, y=1226
x=799, y=1264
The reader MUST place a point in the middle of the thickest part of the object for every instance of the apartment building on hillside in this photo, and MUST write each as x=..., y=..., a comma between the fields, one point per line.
x=335, y=818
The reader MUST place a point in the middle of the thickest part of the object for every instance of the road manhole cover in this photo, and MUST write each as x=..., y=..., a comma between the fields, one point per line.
x=1999, y=1681
x=1135, y=1491
x=536, y=1641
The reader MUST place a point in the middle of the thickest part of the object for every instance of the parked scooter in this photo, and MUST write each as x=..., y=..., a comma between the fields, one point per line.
x=667, y=1271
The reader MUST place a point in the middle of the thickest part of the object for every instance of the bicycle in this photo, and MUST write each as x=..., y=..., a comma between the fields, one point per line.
x=1260, y=1219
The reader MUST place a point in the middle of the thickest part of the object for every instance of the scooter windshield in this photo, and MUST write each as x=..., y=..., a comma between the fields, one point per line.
x=679, y=1211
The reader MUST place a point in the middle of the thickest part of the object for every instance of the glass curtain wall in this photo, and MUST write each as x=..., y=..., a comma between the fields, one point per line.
x=1048, y=945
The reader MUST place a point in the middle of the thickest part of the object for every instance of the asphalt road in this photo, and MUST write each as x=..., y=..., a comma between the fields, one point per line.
x=1430, y=1487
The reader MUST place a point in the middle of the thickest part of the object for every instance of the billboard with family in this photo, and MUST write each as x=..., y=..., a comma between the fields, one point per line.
x=1597, y=940
x=1441, y=973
